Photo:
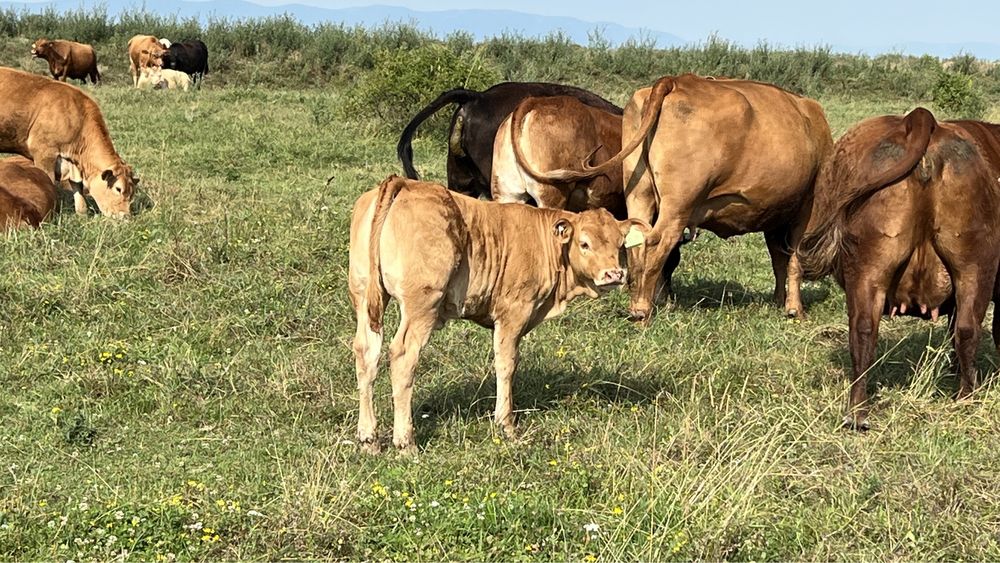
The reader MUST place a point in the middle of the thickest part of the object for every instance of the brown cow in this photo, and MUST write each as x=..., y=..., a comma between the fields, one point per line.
x=61, y=129
x=445, y=256
x=907, y=218
x=731, y=156
x=27, y=195
x=551, y=133
x=144, y=51
x=68, y=59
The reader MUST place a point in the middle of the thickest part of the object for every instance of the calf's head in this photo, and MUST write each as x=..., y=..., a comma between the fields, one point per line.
x=594, y=244
x=112, y=189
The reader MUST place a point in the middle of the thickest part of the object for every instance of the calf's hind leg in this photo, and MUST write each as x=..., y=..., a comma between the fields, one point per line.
x=367, y=350
x=416, y=323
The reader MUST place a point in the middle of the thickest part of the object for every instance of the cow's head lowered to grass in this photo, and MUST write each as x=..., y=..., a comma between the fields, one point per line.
x=111, y=187
x=595, y=244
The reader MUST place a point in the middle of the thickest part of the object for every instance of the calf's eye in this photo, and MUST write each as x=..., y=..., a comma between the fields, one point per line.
x=585, y=246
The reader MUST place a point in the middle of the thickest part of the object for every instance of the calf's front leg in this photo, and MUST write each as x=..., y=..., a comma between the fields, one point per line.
x=506, y=338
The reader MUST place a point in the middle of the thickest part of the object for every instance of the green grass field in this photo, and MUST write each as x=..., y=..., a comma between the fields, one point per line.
x=181, y=385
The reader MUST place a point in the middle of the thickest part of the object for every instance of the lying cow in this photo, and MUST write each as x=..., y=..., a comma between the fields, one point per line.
x=447, y=256
x=68, y=59
x=61, y=129
x=189, y=57
x=907, y=218
x=474, y=127
x=27, y=195
x=144, y=51
x=730, y=156
x=156, y=78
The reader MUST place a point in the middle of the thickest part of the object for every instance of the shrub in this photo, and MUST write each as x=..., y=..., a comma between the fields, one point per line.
x=956, y=95
x=403, y=81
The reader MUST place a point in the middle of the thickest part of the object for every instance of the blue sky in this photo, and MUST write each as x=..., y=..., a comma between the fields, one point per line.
x=857, y=23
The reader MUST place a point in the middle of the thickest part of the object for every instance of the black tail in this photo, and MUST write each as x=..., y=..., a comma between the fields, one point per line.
x=403, y=150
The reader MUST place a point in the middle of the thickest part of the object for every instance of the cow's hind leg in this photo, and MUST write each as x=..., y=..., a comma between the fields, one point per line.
x=367, y=350
x=865, y=300
x=787, y=270
x=972, y=295
x=418, y=318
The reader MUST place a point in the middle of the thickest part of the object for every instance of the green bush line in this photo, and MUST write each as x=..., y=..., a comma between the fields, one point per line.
x=281, y=51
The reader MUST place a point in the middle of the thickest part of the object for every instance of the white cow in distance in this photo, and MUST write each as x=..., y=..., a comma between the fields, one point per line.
x=158, y=78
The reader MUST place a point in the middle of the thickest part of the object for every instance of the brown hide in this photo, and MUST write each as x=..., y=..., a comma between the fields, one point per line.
x=144, y=51
x=51, y=122
x=549, y=133
x=907, y=218
x=27, y=196
x=68, y=59
x=444, y=256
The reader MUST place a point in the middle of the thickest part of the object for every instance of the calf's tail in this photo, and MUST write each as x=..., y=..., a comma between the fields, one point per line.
x=375, y=293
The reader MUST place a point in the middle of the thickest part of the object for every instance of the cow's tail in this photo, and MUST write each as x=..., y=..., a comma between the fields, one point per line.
x=404, y=150
x=848, y=178
x=650, y=115
x=375, y=294
x=517, y=118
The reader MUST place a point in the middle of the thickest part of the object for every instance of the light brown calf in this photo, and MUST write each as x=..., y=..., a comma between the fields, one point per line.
x=144, y=51
x=62, y=130
x=446, y=256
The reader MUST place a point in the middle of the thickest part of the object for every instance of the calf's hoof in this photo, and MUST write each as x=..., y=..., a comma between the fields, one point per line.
x=642, y=316
x=370, y=446
x=857, y=423
x=407, y=450
x=795, y=313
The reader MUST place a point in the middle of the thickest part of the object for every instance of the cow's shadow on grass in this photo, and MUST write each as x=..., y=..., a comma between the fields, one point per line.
x=537, y=388
x=924, y=347
x=698, y=293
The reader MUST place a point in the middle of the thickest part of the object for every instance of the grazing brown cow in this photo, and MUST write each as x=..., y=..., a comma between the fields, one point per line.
x=144, y=51
x=731, y=156
x=551, y=133
x=445, y=256
x=68, y=59
x=27, y=195
x=61, y=129
x=907, y=218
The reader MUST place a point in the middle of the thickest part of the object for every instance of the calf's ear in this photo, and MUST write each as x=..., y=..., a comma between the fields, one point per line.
x=563, y=230
x=109, y=177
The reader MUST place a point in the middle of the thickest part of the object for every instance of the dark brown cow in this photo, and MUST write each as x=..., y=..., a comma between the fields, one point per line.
x=68, y=59
x=474, y=126
x=907, y=218
x=557, y=132
x=731, y=156
x=446, y=256
x=27, y=195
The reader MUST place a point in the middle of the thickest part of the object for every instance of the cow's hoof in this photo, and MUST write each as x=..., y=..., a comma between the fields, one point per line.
x=793, y=313
x=370, y=446
x=855, y=423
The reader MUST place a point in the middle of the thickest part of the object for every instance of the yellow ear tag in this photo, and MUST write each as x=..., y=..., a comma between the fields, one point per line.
x=634, y=238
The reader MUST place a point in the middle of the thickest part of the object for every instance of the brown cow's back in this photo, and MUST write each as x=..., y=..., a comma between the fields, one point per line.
x=27, y=196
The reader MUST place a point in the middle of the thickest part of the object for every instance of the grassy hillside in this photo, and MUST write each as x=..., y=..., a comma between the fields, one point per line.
x=181, y=385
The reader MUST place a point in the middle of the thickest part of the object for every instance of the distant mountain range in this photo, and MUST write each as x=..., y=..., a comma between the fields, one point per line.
x=481, y=23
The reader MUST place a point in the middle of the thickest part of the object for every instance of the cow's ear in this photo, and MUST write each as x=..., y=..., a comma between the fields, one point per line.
x=109, y=177
x=563, y=230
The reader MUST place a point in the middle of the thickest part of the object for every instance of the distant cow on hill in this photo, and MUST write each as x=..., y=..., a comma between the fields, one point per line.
x=189, y=57
x=68, y=59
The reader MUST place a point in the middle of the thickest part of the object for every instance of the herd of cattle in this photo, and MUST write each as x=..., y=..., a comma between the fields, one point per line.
x=556, y=193
x=154, y=63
